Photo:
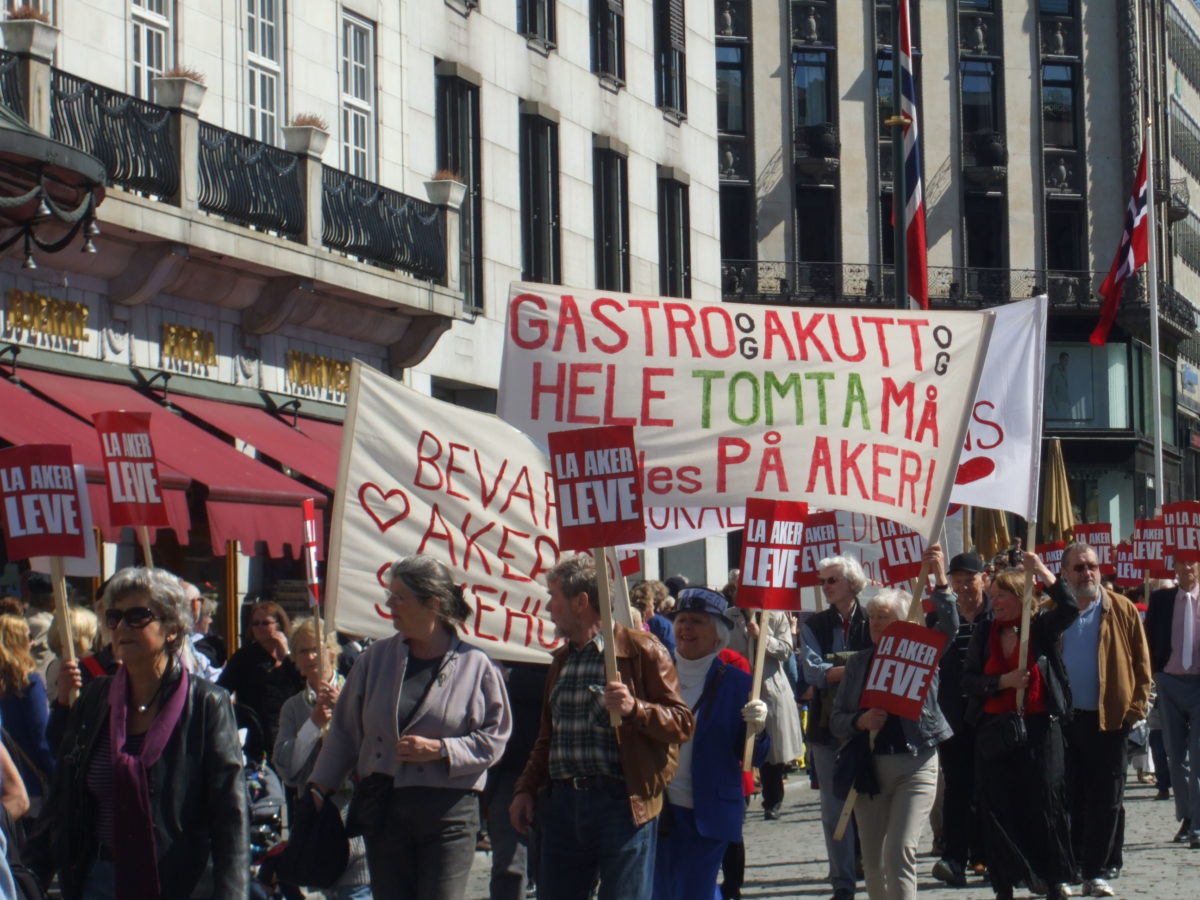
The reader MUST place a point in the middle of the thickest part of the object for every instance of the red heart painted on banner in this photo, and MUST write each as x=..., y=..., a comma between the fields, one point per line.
x=974, y=469
x=386, y=496
x=379, y=573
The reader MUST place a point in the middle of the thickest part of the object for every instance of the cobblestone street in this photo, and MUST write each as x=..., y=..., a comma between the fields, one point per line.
x=785, y=858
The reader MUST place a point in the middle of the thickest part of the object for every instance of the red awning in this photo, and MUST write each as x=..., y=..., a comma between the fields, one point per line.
x=267, y=435
x=247, y=501
x=30, y=420
x=329, y=433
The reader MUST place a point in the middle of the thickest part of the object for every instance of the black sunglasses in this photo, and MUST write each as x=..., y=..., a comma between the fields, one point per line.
x=134, y=617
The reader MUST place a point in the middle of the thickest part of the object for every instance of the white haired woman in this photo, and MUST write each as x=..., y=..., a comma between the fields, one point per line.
x=904, y=752
x=149, y=724
x=420, y=720
x=705, y=796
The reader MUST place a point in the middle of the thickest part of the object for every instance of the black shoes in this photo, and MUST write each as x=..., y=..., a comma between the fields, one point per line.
x=771, y=812
x=1184, y=833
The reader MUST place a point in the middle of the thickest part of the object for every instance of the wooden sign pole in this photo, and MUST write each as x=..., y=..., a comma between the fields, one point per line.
x=606, y=628
x=147, y=556
x=1026, y=617
x=843, y=821
x=760, y=663
x=58, y=581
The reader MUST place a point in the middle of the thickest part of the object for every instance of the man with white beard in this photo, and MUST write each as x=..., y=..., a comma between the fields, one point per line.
x=1108, y=667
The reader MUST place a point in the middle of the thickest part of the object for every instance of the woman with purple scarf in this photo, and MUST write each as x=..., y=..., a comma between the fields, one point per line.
x=149, y=788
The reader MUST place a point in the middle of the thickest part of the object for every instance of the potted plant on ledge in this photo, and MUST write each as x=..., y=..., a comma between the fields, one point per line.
x=307, y=135
x=180, y=87
x=446, y=188
x=28, y=31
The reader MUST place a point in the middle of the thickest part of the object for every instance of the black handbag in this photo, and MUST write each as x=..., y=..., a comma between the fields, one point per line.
x=318, y=849
x=1000, y=735
x=368, y=807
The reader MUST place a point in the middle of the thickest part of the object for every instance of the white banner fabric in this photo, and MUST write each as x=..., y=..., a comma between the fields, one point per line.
x=1001, y=462
x=861, y=410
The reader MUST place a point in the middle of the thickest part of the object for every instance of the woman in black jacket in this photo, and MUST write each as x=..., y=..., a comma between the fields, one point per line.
x=149, y=782
x=1020, y=782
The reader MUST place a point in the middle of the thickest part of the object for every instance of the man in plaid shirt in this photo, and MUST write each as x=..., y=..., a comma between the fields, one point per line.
x=603, y=786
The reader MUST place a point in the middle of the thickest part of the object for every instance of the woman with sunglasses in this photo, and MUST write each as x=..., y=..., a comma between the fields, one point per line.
x=149, y=781
x=1019, y=754
x=421, y=718
x=261, y=675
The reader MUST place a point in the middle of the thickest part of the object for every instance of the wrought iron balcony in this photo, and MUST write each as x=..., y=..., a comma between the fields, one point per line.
x=249, y=182
x=10, y=83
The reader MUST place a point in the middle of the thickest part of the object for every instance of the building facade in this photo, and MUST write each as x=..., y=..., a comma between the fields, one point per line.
x=1030, y=128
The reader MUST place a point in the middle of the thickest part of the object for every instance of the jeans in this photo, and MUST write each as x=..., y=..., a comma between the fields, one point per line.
x=890, y=823
x=1162, y=768
x=1179, y=703
x=7, y=887
x=961, y=836
x=686, y=863
x=426, y=846
x=354, y=892
x=509, y=849
x=99, y=884
x=1095, y=763
x=841, y=853
x=585, y=833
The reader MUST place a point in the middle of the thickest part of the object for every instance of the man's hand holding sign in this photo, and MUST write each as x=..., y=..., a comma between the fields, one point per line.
x=599, y=498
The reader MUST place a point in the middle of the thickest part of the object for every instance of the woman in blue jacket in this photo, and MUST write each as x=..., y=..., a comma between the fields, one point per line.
x=705, y=800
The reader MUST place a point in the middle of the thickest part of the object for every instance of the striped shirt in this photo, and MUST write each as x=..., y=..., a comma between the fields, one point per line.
x=582, y=742
x=100, y=781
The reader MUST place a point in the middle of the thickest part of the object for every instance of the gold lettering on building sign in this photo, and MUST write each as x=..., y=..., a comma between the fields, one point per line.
x=322, y=373
x=47, y=316
x=188, y=346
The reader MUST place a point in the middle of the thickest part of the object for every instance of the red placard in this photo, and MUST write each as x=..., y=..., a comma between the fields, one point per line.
x=820, y=542
x=1150, y=548
x=598, y=488
x=130, y=469
x=40, y=501
x=1051, y=554
x=902, y=549
x=1128, y=574
x=629, y=562
x=771, y=546
x=1182, y=523
x=1099, y=536
x=902, y=670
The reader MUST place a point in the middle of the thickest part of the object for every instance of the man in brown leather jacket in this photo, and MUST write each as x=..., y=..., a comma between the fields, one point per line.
x=604, y=786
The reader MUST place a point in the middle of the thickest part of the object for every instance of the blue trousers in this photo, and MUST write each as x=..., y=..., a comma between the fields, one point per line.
x=841, y=853
x=686, y=864
x=590, y=834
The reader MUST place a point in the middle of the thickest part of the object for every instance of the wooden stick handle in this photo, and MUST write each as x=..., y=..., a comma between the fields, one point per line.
x=66, y=633
x=760, y=664
x=147, y=556
x=915, y=609
x=606, y=627
x=1026, y=618
x=843, y=821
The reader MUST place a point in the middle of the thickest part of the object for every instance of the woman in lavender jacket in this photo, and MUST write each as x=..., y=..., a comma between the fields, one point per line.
x=421, y=718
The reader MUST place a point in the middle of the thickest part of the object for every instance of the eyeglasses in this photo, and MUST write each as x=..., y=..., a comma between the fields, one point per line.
x=135, y=617
x=834, y=580
x=1085, y=567
x=264, y=623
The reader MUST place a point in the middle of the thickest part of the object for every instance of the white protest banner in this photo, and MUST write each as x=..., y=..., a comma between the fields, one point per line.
x=863, y=410
x=1000, y=466
x=421, y=476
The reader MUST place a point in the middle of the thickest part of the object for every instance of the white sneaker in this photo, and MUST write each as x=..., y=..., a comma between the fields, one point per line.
x=1097, y=887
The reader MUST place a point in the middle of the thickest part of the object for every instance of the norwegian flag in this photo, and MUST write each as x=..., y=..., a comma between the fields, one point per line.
x=1130, y=255
x=914, y=200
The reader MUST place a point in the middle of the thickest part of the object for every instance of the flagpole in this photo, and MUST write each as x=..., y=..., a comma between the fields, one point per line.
x=1152, y=276
x=899, y=189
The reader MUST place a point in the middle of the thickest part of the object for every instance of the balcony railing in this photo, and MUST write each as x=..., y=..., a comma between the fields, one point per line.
x=950, y=287
x=249, y=182
x=130, y=136
x=10, y=83
x=381, y=226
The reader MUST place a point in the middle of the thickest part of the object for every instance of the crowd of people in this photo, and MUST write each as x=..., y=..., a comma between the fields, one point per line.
x=127, y=767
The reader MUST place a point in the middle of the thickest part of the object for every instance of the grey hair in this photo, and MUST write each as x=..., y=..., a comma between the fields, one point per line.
x=167, y=597
x=1075, y=549
x=723, y=634
x=849, y=568
x=432, y=584
x=896, y=600
x=577, y=575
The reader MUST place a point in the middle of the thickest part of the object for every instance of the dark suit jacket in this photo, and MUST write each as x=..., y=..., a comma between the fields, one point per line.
x=1160, y=619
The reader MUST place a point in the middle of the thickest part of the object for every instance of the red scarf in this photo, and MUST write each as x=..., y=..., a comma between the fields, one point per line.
x=135, y=858
x=998, y=664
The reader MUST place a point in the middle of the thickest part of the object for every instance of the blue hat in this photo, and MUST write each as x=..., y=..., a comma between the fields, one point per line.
x=702, y=600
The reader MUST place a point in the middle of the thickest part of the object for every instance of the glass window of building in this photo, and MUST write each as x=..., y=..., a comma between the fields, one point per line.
x=358, y=96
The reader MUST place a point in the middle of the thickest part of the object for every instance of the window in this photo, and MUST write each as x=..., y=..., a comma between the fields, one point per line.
x=539, y=200
x=1056, y=7
x=816, y=224
x=984, y=225
x=458, y=149
x=674, y=239
x=535, y=20
x=264, y=72
x=810, y=80
x=608, y=39
x=980, y=96
x=885, y=96
x=1058, y=106
x=151, y=45
x=671, y=58
x=737, y=223
x=610, y=199
x=46, y=6
x=731, y=90
x=1065, y=236
x=358, y=96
